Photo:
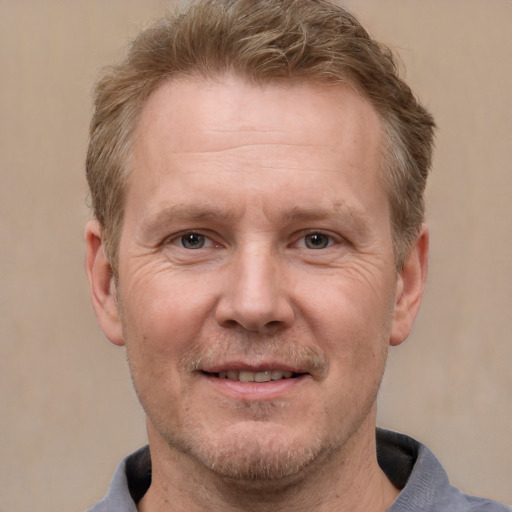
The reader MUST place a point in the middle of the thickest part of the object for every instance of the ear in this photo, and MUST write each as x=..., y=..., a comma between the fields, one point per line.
x=410, y=286
x=101, y=282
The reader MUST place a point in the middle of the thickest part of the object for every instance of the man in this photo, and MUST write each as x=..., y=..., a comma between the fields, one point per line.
x=257, y=171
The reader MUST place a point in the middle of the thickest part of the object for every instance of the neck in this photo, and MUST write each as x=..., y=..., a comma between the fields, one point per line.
x=348, y=479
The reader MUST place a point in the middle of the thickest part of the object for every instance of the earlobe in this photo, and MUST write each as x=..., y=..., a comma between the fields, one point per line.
x=103, y=290
x=410, y=286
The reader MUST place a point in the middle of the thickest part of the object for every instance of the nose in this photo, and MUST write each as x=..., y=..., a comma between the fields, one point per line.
x=255, y=295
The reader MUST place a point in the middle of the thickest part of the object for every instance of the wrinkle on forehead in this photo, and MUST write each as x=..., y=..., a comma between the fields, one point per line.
x=263, y=145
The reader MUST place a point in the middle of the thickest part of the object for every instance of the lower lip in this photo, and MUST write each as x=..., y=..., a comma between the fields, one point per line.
x=257, y=391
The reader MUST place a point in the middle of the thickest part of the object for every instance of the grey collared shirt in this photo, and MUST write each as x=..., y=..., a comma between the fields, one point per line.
x=410, y=465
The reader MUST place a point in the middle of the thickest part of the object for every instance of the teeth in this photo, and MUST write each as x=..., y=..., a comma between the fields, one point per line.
x=278, y=375
x=247, y=376
x=263, y=376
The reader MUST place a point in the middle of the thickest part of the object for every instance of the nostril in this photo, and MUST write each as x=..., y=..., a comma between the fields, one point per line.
x=254, y=304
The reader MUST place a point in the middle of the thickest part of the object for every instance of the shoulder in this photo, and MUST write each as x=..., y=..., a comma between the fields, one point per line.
x=129, y=483
x=424, y=484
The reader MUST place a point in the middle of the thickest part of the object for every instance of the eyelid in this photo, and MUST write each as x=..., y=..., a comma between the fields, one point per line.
x=297, y=238
x=175, y=239
x=334, y=238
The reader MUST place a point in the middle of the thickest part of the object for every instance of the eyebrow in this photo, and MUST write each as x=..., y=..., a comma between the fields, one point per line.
x=318, y=213
x=354, y=216
x=177, y=212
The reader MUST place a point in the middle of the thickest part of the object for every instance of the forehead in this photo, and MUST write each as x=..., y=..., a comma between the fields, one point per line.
x=223, y=105
x=235, y=137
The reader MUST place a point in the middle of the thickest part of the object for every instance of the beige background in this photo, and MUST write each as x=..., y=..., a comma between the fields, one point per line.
x=68, y=411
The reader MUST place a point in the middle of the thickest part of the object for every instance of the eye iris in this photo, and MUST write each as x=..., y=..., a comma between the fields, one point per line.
x=192, y=241
x=316, y=241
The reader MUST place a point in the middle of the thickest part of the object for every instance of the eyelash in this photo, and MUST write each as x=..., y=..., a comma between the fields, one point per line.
x=205, y=242
x=181, y=240
x=330, y=240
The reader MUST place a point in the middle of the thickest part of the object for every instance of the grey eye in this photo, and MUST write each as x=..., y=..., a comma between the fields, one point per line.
x=192, y=241
x=317, y=241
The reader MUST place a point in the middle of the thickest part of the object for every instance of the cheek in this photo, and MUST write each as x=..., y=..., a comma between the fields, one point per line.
x=161, y=318
x=351, y=322
x=160, y=322
x=346, y=309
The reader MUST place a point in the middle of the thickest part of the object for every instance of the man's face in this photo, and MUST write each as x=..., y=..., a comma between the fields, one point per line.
x=257, y=286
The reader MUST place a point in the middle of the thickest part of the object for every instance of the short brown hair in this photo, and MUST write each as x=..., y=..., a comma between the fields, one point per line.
x=262, y=41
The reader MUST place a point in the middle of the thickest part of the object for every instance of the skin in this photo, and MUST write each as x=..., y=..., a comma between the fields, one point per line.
x=257, y=236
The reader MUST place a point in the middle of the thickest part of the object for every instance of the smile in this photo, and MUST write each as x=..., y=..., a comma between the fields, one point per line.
x=256, y=384
x=249, y=376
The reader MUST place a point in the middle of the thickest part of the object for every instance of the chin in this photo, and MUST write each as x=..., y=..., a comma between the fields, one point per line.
x=252, y=451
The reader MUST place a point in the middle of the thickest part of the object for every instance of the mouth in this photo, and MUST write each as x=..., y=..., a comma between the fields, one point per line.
x=254, y=376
